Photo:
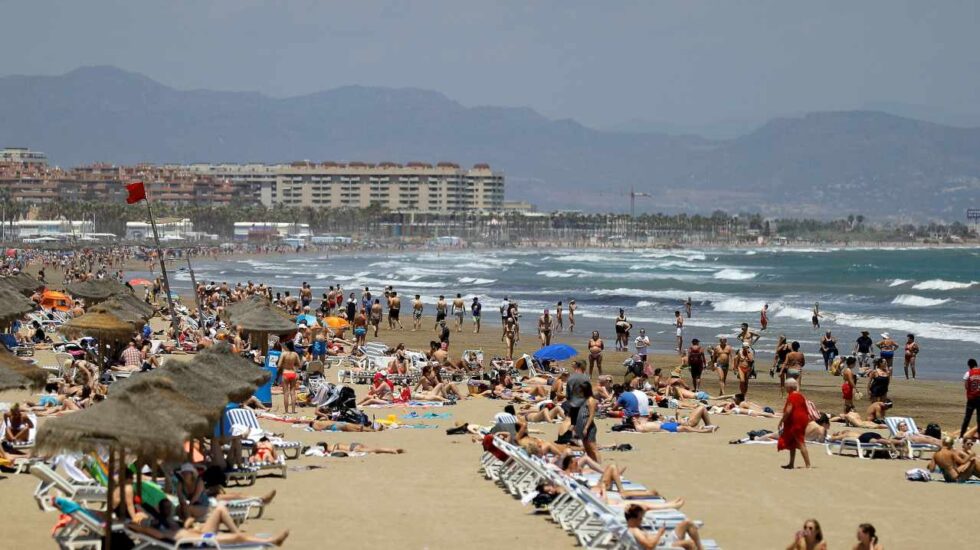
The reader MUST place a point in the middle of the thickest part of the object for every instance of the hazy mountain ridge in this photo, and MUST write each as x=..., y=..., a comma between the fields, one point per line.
x=820, y=163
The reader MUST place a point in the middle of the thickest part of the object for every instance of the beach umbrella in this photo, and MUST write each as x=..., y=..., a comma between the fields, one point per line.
x=262, y=320
x=134, y=303
x=220, y=359
x=129, y=309
x=94, y=291
x=105, y=327
x=22, y=283
x=140, y=282
x=17, y=373
x=235, y=309
x=555, y=352
x=13, y=305
x=335, y=322
x=307, y=319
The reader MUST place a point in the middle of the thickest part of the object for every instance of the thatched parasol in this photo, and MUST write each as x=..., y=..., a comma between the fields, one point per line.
x=220, y=360
x=148, y=417
x=262, y=320
x=131, y=301
x=104, y=327
x=13, y=305
x=233, y=310
x=22, y=283
x=17, y=373
x=124, y=311
x=96, y=290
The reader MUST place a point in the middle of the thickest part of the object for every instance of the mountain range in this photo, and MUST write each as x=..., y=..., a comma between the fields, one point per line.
x=819, y=164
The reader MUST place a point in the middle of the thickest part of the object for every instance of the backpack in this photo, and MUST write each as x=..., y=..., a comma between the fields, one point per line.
x=933, y=430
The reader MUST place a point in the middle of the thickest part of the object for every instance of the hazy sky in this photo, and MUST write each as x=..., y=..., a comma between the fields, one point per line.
x=601, y=62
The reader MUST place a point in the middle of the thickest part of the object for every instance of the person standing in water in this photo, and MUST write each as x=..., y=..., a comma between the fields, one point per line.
x=911, y=351
x=764, y=317
x=571, y=316
x=815, y=319
x=559, y=323
x=688, y=306
x=679, y=325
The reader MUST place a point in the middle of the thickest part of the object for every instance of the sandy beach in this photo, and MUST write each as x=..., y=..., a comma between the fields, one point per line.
x=433, y=497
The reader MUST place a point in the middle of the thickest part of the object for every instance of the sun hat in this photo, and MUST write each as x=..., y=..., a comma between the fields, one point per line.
x=187, y=468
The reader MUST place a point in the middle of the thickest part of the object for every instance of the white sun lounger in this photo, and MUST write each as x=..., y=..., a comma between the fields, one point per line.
x=915, y=450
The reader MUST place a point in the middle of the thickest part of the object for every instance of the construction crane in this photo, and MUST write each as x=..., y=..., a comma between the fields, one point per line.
x=633, y=196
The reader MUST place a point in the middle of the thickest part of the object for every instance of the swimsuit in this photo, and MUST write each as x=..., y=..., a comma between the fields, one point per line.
x=669, y=426
x=393, y=313
x=360, y=331
x=289, y=375
x=847, y=390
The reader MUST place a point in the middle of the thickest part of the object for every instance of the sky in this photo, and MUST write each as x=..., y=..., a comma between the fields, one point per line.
x=604, y=63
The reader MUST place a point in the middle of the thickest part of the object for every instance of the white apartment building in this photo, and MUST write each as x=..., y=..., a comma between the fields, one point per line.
x=23, y=155
x=169, y=229
x=414, y=187
x=270, y=231
x=27, y=229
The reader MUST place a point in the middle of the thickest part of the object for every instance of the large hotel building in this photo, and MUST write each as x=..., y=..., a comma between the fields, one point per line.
x=413, y=187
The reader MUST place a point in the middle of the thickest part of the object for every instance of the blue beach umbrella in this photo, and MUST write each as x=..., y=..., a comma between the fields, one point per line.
x=310, y=320
x=555, y=352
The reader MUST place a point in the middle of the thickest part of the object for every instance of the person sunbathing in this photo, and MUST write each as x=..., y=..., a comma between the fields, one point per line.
x=816, y=432
x=684, y=535
x=653, y=423
x=903, y=434
x=167, y=530
x=545, y=411
x=866, y=438
x=956, y=466
x=679, y=392
x=265, y=451
x=342, y=449
x=740, y=405
x=339, y=426
x=611, y=477
x=434, y=390
x=854, y=420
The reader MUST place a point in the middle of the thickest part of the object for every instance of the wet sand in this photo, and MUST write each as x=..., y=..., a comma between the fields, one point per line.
x=433, y=497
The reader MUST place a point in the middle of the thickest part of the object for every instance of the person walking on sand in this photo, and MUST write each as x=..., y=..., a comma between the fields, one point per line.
x=394, y=311
x=459, y=312
x=544, y=328
x=743, y=367
x=441, y=308
x=679, y=325
x=696, y=361
x=376, y=315
x=417, y=308
x=721, y=357
x=792, y=425
x=504, y=313
x=887, y=347
x=642, y=344
x=571, y=315
x=764, y=317
x=622, y=331
x=475, y=309
x=971, y=381
x=596, y=346
x=828, y=348
x=911, y=351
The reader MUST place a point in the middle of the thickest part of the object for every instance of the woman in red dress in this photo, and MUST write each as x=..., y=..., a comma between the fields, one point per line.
x=793, y=425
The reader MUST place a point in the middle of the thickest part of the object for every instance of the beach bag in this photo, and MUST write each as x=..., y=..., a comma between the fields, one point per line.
x=812, y=410
x=918, y=474
x=933, y=430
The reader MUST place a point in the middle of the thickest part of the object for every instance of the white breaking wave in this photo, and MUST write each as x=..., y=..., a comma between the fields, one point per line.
x=738, y=305
x=476, y=281
x=918, y=301
x=665, y=320
x=587, y=258
x=899, y=282
x=938, y=331
x=556, y=274
x=798, y=313
x=645, y=303
x=679, y=295
x=940, y=284
x=731, y=274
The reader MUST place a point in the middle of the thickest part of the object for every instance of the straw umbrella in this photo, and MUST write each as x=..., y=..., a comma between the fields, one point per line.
x=235, y=309
x=105, y=327
x=220, y=360
x=262, y=320
x=17, y=373
x=22, y=283
x=13, y=305
x=94, y=291
x=149, y=418
x=130, y=300
x=123, y=310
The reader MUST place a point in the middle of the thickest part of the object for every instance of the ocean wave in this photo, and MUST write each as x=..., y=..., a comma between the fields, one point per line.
x=555, y=274
x=476, y=281
x=938, y=331
x=665, y=320
x=669, y=294
x=738, y=305
x=798, y=313
x=899, y=282
x=730, y=274
x=645, y=303
x=684, y=255
x=586, y=258
x=912, y=300
x=941, y=284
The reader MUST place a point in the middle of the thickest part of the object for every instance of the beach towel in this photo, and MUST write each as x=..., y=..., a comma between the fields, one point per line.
x=429, y=415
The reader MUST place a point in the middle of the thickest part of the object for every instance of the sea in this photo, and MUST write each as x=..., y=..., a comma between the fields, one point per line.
x=932, y=293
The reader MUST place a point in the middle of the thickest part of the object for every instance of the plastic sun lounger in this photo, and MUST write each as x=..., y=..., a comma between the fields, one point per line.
x=85, y=531
x=10, y=342
x=53, y=481
x=915, y=450
x=861, y=450
x=146, y=542
x=246, y=417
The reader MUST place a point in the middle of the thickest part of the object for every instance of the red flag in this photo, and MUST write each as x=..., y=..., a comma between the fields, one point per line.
x=136, y=192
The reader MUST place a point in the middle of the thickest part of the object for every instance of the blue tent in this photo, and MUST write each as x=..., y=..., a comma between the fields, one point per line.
x=555, y=352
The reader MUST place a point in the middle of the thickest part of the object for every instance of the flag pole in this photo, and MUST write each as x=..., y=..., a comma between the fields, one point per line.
x=163, y=270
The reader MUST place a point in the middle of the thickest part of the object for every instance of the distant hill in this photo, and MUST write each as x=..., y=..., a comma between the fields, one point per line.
x=819, y=164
